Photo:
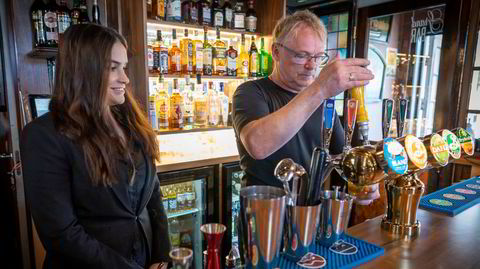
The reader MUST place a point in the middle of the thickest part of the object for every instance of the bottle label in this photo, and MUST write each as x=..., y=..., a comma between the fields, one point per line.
x=417, y=153
x=64, y=23
x=395, y=155
x=172, y=204
x=228, y=14
x=207, y=16
x=200, y=116
x=245, y=67
x=253, y=63
x=218, y=18
x=207, y=56
x=151, y=57
x=163, y=62
x=160, y=9
x=165, y=204
x=199, y=59
x=194, y=13
x=232, y=64
x=177, y=113
x=174, y=10
x=219, y=53
x=176, y=61
x=251, y=23
x=50, y=20
x=239, y=20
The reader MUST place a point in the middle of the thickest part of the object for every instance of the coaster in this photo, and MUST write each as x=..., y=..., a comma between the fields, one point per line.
x=343, y=248
x=312, y=260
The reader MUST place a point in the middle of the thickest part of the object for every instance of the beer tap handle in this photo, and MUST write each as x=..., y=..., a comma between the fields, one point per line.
x=387, y=109
x=401, y=115
x=350, y=119
x=358, y=93
x=328, y=121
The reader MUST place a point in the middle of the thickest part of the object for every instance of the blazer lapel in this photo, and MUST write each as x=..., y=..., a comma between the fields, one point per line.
x=120, y=188
x=148, y=188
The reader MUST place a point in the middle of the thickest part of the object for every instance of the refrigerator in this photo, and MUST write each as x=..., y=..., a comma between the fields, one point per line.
x=189, y=201
x=231, y=178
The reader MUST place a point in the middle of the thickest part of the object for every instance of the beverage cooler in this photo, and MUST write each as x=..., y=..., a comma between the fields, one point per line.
x=188, y=198
x=231, y=176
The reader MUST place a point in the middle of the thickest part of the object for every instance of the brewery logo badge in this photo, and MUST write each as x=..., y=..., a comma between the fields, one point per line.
x=465, y=191
x=440, y=202
x=395, y=155
x=473, y=186
x=453, y=143
x=343, y=248
x=312, y=260
x=454, y=196
x=417, y=153
x=439, y=149
x=466, y=141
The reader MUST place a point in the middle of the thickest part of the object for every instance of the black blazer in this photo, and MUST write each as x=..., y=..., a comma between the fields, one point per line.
x=81, y=225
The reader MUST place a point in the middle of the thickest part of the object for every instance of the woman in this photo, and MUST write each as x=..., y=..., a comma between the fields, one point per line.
x=88, y=164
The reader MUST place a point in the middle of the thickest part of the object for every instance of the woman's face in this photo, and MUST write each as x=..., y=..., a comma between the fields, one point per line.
x=117, y=79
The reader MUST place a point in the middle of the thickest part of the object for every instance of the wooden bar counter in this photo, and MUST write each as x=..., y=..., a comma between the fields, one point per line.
x=444, y=242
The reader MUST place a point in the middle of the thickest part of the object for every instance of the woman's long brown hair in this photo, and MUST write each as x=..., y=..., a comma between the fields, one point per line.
x=79, y=107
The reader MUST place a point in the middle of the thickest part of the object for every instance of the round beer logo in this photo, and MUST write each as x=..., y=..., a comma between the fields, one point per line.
x=417, y=153
x=473, y=186
x=466, y=141
x=453, y=143
x=465, y=191
x=440, y=202
x=395, y=155
x=454, y=196
x=439, y=149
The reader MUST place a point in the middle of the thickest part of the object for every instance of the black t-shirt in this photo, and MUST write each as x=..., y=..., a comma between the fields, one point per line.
x=254, y=100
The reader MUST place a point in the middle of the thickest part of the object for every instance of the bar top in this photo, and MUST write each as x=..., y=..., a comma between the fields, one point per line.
x=444, y=242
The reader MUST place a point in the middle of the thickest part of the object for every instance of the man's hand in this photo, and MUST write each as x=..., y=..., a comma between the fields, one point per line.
x=162, y=265
x=367, y=195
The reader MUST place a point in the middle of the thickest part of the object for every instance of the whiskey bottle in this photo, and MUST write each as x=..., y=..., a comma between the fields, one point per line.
x=251, y=17
x=207, y=55
x=242, y=62
x=217, y=14
x=63, y=17
x=200, y=106
x=152, y=114
x=228, y=14
x=162, y=105
x=263, y=59
x=239, y=16
x=189, y=12
x=174, y=10
x=158, y=9
x=254, y=60
x=37, y=12
x=197, y=55
x=188, y=104
x=174, y=55
x=223, y=101
x=219, y=57
x=232, y=55
x=212, y=105
x=160, y=55
x=50, y=25
x=95, y=12
x=204, y=12
x=176, y=107
x=186, y=46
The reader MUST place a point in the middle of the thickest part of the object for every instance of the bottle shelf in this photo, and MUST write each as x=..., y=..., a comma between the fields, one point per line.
x=158, y=25
x=182, y=213
x=153, y=75
x=191, y=130
x=43, y=52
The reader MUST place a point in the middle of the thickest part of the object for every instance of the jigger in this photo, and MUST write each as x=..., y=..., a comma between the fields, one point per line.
x=213, y=233
x=181, y=258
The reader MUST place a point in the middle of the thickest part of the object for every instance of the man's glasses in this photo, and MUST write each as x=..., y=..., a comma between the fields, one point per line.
x=303, y=58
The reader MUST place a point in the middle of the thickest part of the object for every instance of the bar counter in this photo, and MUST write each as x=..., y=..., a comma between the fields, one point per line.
x=444, y=242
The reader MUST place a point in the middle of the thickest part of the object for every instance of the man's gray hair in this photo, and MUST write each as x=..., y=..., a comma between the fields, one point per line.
x=288, y=26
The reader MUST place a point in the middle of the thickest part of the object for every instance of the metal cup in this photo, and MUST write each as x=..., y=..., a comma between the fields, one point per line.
x=334, y=216
x=301, y=228
x=181, y=258
x=262, y=212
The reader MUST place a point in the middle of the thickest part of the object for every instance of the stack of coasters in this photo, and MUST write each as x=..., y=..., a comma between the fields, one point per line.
x=348, y=252
x=454, y=199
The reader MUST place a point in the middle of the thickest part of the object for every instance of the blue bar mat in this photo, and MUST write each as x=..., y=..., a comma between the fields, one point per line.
x=454, y=199
x=365, y=252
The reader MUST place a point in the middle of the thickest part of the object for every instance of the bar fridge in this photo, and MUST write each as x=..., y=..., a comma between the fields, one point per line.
x=188, y=198
x=231, y=176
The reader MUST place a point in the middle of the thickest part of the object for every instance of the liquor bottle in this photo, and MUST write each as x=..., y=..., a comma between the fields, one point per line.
x=63, y=17
x=36, y=12
x=153, y=56
x=174, y=10
x=50, y=25
x=217, y=14
x=251, y=17
x=204, y=12
x=232, y=55
x=176, y=107
x=228, y=14
x=83, y=12
x=161, y=105
x=191, y=196
x=95, y=12
x=149, y=9
x=180, y=198
x=186, y=46
x=188, y=104
x=263, y=59
x=172, y=200
x=254, y=60
x=164, y=198
x=207, y=55
x=152, y=116
x=212, y=105
x=223, y=101
x=174, y=55
x=174, y=231
x=189, y=12
x=197, y=54
x=158, y=9
x=239, y=16
x=200, y=106
x=160, y=54
x=219, y=57
x=242, y=62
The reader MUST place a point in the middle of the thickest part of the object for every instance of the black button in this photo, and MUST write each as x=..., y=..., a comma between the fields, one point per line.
x=136, y=217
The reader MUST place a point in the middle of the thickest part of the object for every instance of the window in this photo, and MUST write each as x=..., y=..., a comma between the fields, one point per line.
x=473, y=117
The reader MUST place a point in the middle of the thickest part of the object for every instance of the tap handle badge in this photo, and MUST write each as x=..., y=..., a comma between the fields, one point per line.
x=387, y=109
x=350, y=118
x=401, y=116
x=328, y=120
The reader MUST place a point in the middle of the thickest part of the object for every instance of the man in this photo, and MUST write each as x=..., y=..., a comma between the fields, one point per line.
x=282, y=116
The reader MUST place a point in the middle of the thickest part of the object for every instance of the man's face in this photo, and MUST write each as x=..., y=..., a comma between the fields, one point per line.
x=307, y=43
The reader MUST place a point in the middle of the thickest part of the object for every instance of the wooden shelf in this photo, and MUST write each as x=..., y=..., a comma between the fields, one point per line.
x=193, y=76
x=171, y=24
x=192, y=130
x=43, y=52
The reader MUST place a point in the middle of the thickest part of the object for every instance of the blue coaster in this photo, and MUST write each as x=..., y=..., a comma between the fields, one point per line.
x=365, y=252
x=454, y=199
